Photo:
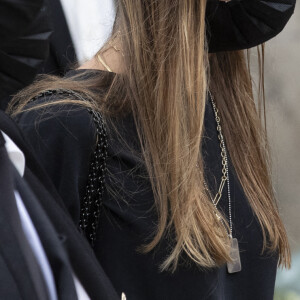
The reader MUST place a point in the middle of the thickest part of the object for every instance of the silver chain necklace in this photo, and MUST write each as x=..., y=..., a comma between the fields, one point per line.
x=235, y=264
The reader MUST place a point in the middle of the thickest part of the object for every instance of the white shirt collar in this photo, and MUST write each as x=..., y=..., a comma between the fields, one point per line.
x=15, y=154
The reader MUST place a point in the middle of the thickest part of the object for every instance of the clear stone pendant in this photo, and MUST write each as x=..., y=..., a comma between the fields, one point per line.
x=234, y=265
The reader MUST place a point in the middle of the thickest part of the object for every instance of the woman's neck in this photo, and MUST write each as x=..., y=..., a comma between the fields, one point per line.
x=112, y=58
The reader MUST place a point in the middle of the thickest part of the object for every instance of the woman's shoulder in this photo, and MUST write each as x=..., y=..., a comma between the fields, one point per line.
x=66, y=114
x=59, y=116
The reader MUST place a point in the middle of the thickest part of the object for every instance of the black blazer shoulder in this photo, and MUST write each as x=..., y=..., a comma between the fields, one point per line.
x=64, y=139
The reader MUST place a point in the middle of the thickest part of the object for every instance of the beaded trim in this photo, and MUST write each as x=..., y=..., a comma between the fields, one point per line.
x=90, y=206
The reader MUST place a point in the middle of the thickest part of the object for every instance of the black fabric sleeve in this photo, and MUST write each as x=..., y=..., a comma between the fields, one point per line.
x=242, y=24
x=64, y=139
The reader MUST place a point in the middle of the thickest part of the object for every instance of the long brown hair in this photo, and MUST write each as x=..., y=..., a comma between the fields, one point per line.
x=167, y=76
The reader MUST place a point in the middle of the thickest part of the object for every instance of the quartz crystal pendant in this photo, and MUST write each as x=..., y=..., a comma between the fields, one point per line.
x=234, y=265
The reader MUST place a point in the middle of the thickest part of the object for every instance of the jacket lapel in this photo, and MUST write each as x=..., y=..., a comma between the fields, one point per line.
x=83, y=260
x=55, y=252
x=61, y=45
x=14, y=247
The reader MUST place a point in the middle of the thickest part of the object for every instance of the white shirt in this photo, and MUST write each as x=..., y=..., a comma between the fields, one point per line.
x=18, y=159
x=15, y=154
x=90, y=23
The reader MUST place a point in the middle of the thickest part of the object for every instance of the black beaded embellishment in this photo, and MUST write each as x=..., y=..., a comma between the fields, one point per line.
x=90, y=206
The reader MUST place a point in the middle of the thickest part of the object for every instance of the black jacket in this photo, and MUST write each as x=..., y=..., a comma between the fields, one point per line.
x=62, y=54
x=34, y=38
x=24, y=35
x=19, y=272
x=48, y=215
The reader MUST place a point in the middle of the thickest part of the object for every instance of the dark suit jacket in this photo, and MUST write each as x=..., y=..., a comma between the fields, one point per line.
x=24, y=44
x=19, y=271
x=78, y=251
x=62, y=54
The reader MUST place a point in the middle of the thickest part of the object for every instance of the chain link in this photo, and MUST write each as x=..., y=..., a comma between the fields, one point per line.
x=225, y=169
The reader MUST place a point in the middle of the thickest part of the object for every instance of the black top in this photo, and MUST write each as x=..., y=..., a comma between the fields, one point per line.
x=64, y=140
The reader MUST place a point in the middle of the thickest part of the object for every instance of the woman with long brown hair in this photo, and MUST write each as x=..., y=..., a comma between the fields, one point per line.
x=159, y=151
